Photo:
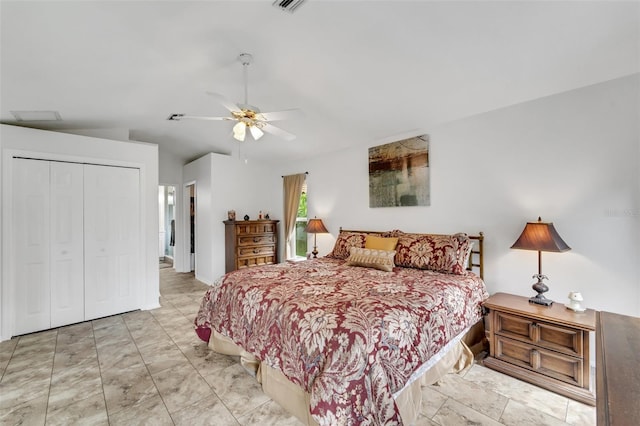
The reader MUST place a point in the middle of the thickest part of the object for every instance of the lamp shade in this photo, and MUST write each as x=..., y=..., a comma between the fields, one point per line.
x=540, y=236
x=315, y=226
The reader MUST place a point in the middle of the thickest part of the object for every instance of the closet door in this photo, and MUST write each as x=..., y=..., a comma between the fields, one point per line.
x=111, y=235
x=67, y=244
x=30, y=235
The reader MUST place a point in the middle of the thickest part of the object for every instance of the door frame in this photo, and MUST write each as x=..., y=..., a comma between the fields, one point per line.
x=186, y=210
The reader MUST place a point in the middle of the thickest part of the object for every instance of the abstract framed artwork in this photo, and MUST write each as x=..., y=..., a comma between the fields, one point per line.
x=399, y=173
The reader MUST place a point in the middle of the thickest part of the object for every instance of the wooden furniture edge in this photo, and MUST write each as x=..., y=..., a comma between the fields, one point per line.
x=515, y=311
x=617, y=375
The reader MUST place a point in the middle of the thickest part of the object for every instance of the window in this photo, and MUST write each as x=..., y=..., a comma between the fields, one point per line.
x=301, y=224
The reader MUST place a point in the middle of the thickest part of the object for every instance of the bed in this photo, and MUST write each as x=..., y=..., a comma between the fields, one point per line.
x=350, y=338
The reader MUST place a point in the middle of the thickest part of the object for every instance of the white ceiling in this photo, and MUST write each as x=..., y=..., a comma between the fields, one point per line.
x=361, y=71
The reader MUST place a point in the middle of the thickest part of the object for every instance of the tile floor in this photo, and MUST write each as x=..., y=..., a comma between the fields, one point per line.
x=149, y=368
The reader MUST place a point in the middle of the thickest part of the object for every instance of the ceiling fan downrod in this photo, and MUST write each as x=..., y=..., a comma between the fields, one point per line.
x=246, y=59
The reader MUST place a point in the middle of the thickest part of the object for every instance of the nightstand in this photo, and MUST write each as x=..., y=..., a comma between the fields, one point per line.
x=547, y=346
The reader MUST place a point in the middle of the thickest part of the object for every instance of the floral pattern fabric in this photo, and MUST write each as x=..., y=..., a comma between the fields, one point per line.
x=346, y=240
x=349, y=336
x=440, y=253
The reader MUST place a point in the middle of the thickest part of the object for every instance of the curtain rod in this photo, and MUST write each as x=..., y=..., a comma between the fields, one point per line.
x=306, y=173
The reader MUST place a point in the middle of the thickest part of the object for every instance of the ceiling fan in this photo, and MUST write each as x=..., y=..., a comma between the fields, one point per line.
x=247, y=116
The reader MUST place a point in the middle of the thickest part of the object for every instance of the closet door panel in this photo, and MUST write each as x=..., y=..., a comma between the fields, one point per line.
x=67, y=244
x=30, y=242
x=112, y=235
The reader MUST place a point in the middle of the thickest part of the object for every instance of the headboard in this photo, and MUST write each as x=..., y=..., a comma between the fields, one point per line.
x=476, y=260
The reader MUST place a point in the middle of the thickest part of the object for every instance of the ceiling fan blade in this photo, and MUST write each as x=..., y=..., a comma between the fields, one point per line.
x=225, y=102
x=269, y=128
x=280, y=115
x=178, y=117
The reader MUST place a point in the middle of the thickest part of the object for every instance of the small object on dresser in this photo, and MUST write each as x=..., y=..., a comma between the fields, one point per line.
x=246, y=217
x=231, y=214
x=260, y=215
x=574, y=302
x=266, y=216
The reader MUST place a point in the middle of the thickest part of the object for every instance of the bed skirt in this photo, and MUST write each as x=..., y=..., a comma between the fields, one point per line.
x=453, y=358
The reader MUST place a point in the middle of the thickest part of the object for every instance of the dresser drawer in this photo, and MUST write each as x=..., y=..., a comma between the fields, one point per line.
x=257, y=251
x=550, y=336
x=255, y=227
x=252, y=240
x=563, y=367
x=247, y=262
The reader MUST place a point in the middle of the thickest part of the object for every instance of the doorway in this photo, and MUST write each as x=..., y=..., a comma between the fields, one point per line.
x=191, y=198
x=167, y=225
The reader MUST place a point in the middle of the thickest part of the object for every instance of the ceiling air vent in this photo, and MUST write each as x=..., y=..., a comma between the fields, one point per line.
x=288, y=5
x=36, y=115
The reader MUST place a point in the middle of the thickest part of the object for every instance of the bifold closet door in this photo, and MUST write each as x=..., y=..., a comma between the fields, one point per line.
x=48, y=244
x=67, y=243
x=111, y=237
x=31, y=245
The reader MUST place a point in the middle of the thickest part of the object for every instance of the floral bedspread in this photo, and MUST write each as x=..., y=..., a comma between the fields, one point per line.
x=350, y=336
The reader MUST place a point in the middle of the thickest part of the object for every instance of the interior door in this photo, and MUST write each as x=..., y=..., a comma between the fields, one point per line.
x=31, y=242
x=67, y=244
x=111, y=236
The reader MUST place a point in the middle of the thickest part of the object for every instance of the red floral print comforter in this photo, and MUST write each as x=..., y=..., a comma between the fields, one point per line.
x=350, y=336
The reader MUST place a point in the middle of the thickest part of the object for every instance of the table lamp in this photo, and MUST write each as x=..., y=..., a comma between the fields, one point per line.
x=315, y=226
x=540, y=236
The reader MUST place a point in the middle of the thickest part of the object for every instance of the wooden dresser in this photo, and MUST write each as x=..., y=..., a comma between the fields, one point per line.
x=250, y=243
x=618, y=369
x=544, y=345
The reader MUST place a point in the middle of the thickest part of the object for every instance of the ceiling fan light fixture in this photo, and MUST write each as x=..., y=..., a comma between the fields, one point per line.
x=256, y=132
x=239, y=131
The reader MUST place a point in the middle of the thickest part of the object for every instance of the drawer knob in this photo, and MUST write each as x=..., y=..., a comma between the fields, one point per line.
x=256, y=251
x=256, y=239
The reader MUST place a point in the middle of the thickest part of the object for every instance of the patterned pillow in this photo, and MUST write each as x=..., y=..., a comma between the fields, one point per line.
x=465, y=246
x=440, y=253
x=345, y=241
x=372, y=258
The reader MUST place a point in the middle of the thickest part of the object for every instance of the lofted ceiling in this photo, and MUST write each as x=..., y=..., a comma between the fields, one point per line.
x=361, y=71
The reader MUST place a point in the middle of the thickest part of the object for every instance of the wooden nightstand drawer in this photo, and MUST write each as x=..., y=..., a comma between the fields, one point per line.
x=551, y=336
x=550, y=363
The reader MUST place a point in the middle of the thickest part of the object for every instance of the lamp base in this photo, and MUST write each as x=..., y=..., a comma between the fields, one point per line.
x=540, y=288
x=315, y=252
x=540, y=300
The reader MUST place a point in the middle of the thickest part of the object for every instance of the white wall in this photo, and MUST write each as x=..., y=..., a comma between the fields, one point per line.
x=62, y=146
x=571, y=158
x=225, y=183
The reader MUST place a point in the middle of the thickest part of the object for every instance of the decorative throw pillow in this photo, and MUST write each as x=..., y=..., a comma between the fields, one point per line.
x=465, y=246
x=380, y=243
x=440, y=253
x=372, y=258
x=345, y=241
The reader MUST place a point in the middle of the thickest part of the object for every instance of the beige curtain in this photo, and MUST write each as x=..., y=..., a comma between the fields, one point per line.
x=292, y=186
